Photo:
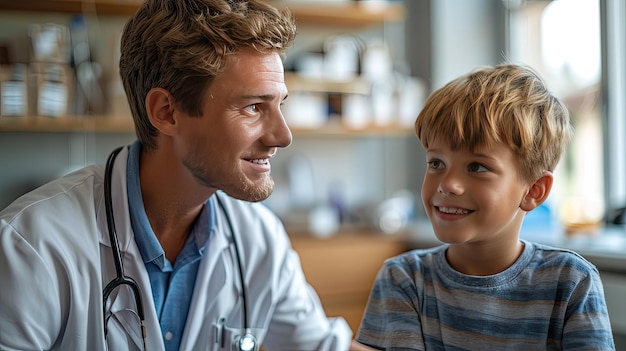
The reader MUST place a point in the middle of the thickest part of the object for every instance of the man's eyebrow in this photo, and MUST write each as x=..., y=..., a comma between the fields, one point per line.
x=263, y=97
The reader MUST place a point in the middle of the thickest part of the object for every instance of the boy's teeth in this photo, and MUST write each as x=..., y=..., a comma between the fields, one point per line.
x=453, y=210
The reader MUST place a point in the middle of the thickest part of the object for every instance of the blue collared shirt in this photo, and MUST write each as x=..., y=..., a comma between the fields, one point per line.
x=172, y=285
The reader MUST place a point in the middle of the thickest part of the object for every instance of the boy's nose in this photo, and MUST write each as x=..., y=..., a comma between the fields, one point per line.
x=450, y=185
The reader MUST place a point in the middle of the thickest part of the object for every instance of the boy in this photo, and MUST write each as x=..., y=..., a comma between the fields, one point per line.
x=492, y=140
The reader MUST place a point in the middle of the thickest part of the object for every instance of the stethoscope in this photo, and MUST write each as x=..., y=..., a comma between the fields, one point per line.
x=247, y=342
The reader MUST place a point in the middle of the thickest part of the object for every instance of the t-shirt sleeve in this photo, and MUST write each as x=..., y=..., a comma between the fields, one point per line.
x=587, y=322
x=391, y=320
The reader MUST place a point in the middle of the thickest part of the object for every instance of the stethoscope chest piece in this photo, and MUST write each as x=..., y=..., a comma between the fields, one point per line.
x=248, y=342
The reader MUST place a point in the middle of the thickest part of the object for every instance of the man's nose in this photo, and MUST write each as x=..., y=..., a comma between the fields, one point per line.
x=279, y=134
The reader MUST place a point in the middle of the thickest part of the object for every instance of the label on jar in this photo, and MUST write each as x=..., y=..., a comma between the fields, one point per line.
x=52, y=99
x=13, y=99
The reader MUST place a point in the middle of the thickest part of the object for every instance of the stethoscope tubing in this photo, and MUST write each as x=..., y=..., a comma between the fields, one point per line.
x=121, y=279
x=248, y=338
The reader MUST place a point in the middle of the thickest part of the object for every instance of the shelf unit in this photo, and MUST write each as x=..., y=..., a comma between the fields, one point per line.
x=345, y=14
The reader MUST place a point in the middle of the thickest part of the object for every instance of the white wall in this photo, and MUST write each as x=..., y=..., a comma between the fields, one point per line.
x=465, y=34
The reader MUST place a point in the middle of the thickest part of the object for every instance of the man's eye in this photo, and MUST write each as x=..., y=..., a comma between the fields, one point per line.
x=252, y=108
x=476, y=167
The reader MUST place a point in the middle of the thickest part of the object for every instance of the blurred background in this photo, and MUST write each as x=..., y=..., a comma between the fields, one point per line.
x=348, y=187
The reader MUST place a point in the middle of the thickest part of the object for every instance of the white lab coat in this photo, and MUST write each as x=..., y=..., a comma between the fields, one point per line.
x=55, y=258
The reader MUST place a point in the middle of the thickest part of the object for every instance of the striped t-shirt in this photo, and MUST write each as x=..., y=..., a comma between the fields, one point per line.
x=549, y=299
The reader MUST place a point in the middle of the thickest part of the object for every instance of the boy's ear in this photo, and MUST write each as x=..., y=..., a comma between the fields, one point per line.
x=538, y=192
x=161, y=110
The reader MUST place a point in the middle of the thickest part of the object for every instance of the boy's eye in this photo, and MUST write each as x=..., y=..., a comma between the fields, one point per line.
x=476, y=167
x=435, y=164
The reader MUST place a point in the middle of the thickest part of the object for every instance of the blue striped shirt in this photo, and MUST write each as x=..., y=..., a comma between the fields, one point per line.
x=549, y=299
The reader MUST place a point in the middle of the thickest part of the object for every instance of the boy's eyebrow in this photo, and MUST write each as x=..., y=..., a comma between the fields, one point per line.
x=483, y=155
x=474, y=153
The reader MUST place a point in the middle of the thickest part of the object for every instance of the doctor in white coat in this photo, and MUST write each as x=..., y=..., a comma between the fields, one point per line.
x=213, y=268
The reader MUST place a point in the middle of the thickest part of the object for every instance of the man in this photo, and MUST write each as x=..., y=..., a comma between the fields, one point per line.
x=213, y=269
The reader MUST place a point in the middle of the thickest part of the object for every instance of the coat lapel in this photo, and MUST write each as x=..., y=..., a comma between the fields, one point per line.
x=213, y=274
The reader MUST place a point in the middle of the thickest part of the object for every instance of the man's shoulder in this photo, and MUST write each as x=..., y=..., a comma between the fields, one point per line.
x=55, y=203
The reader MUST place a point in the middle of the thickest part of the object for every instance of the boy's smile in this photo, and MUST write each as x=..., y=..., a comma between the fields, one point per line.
x=452, y=213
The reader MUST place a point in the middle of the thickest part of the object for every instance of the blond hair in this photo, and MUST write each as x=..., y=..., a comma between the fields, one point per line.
x=507, y=103
x=182, y=45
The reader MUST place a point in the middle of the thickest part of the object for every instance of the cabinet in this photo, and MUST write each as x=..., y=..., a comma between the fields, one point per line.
x=343, y=268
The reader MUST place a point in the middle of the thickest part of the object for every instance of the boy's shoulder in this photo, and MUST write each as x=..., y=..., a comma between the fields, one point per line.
x=417, y=259
x=422, y=253
x=547, y=256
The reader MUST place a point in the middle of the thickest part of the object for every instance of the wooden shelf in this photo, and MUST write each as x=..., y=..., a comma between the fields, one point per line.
x=344, y=14
x=124, y=124
x=341, y=131
x=297, y=82
x=69, y=124
x=101, y=7
x=348, y=14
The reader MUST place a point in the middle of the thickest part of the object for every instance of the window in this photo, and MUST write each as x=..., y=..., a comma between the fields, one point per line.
x=578, y=47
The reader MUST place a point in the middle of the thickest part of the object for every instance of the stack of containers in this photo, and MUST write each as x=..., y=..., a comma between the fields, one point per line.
x=50, y=74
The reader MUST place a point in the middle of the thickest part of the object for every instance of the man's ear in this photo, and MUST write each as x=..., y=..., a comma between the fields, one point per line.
x=538, y=192
x=161, y=110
